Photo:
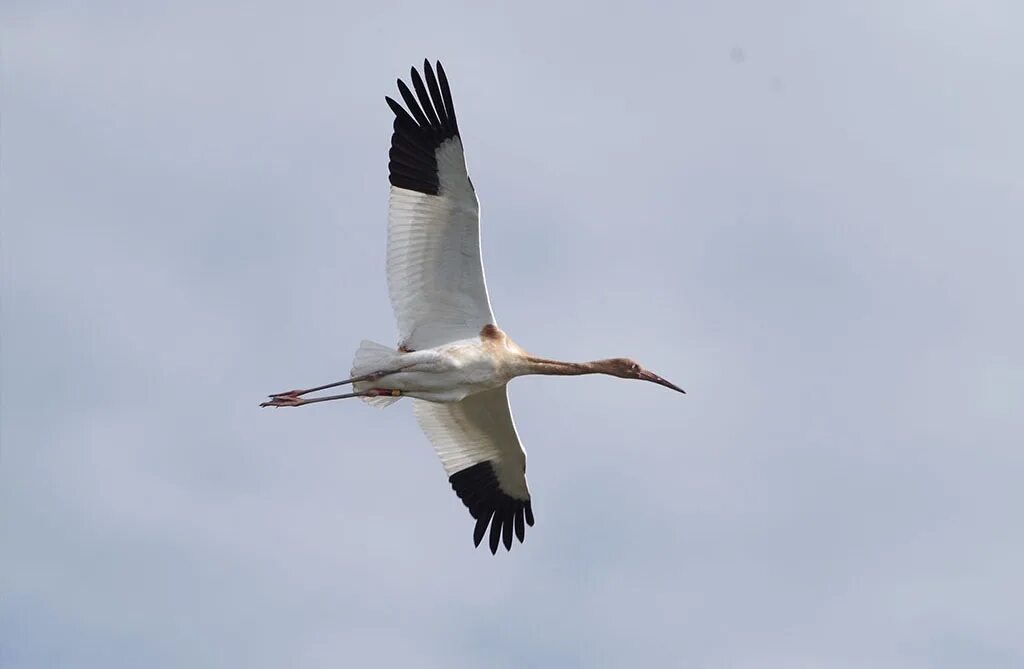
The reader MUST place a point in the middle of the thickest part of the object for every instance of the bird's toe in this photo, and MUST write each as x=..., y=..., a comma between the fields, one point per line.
x=282, y=401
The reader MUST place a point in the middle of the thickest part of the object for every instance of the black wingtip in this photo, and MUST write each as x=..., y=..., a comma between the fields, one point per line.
x=506, y=531
x=481, y=528
x=422, y=125
x=432, y=69
x=395, y=107
x=506, y=516
x=495, y=533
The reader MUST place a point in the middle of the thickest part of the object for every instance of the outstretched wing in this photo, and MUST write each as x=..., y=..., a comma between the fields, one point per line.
x=478, y=445
x=435, y=274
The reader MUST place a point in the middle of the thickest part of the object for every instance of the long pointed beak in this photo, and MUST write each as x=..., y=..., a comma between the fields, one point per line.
x=654, y=378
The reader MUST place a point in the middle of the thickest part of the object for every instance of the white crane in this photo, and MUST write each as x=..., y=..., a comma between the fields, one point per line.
x=452, y=359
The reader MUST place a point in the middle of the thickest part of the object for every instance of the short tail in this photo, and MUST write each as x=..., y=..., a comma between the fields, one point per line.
x=373, y=357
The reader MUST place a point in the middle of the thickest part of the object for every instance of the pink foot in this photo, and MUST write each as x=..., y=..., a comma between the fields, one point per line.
x=283, y=400
x=290, y=393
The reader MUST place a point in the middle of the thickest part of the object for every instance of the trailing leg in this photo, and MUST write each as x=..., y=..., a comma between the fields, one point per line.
x=355, y=379
x=369, y=395
x=372, y=362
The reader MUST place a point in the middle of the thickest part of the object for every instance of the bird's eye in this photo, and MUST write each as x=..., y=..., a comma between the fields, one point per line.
x=634, y=367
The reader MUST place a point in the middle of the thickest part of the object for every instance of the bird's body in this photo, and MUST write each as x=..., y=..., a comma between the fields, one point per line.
x=449, y=372
x=452, y=359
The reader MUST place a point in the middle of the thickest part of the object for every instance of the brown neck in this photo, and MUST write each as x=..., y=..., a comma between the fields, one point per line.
x=558, y=368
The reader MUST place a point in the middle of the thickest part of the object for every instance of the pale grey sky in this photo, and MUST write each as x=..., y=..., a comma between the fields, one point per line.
x=820, y=240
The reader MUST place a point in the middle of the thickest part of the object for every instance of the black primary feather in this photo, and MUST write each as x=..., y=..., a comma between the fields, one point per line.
x=421, y=127
x=479, y=490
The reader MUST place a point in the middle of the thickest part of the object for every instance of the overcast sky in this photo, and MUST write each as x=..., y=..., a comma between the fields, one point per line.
x=809, y=215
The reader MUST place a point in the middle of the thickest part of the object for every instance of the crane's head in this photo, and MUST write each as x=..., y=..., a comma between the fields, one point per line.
x=631, y=369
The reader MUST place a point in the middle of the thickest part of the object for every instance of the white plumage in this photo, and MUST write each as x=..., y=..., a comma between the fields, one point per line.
x=452, y=359
x=435, y=273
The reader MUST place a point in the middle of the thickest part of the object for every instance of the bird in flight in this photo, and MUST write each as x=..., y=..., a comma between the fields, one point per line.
x=452, y=360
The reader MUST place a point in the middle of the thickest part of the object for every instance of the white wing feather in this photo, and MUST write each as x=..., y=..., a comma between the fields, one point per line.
x=477, y=429
x=435, y=273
